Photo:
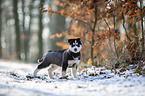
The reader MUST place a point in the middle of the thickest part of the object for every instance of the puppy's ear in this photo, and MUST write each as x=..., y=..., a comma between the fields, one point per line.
x=69, y=40
x=79, y=39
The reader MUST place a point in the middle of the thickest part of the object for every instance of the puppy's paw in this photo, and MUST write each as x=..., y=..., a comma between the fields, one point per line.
x=64, y=77
x=31, y=77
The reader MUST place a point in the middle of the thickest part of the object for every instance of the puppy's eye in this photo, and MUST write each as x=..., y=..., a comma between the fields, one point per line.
x=72, y=45
x=78, y=45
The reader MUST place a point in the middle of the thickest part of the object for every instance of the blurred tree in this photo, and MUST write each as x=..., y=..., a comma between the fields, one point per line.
x=27, y=39
x=17, y=30
x=31, y=16
x=25, y=36
x=56, y=25
x=0, y=28
x=40, y=39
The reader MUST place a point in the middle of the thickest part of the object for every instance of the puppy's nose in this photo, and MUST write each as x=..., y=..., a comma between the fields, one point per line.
x=75, y=49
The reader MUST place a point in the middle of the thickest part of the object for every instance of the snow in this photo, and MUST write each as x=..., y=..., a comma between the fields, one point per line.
x=13, y=82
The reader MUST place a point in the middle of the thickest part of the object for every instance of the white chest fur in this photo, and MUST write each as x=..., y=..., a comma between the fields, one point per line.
x=72, y=62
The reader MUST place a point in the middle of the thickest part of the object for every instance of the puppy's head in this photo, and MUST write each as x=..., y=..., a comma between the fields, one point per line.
x=75, y=45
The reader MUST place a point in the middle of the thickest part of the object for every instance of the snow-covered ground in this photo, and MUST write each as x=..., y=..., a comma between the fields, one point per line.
x=14, y=82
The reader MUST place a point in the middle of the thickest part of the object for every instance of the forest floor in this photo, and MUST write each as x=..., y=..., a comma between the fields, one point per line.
x=15, y=81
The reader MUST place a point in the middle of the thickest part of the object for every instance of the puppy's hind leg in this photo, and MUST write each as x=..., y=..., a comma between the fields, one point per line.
x=35, y=72
x=39, y=67
x=74, y=72
x=51, y=69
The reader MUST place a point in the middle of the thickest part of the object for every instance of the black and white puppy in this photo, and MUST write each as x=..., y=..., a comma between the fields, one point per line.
x=68, y=58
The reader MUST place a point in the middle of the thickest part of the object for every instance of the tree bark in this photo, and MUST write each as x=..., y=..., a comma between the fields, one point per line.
x=17, y=30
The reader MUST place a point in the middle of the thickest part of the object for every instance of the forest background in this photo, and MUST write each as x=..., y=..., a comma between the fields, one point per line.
x=112, y=31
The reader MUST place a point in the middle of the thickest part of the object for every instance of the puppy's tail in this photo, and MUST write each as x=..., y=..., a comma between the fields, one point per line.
x=40, y=60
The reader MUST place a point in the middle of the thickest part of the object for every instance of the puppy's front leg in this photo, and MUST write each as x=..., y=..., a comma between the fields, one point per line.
x=51, y=69
x=64, y=68
x=63, y=73
x=74, y=71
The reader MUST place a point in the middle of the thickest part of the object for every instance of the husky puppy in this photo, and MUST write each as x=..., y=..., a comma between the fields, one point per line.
x=67, y=58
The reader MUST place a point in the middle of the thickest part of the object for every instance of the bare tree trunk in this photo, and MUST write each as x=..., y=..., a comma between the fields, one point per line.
x=114, y=31
x=0, y=28
x=27, y=44
x=126, y=34
x=17, y=30
x=93, y=41
x=30, y=14
x=40, y=39
x=23, y=6
x=24, y=32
